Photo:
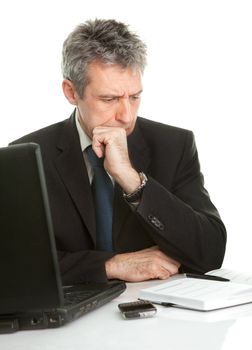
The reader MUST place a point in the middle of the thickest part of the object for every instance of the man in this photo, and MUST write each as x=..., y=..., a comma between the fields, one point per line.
x=163, y=219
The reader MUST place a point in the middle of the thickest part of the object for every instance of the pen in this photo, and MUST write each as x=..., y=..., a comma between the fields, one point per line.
x=207, y=277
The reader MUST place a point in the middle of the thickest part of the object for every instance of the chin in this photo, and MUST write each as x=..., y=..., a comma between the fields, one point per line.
x=130, y=130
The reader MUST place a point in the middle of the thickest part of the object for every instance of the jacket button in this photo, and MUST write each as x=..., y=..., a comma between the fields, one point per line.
x=161, y=226
x=154, y=220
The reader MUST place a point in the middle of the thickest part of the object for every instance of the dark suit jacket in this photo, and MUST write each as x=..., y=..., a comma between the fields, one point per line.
x=175, y=211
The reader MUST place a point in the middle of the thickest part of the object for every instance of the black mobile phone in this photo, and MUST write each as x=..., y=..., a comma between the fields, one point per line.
x=137, y=309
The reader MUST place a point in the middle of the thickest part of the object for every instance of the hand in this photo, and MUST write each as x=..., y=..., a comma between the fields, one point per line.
x=142, y=265
x=111, y=143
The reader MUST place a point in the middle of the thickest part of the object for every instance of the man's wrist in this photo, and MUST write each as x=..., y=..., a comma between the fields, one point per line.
x=128, y=180
x=109, y=268
x=135, y=196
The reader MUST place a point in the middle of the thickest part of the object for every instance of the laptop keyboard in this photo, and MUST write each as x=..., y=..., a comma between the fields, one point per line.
x=76, y=296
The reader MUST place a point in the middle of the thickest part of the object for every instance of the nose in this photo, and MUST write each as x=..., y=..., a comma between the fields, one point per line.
x=123, y=113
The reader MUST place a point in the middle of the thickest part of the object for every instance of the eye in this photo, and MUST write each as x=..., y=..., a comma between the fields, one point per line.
x=108, y=99
x=135, y=97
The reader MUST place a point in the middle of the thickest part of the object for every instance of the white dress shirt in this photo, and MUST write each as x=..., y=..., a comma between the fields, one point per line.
x=85, y=141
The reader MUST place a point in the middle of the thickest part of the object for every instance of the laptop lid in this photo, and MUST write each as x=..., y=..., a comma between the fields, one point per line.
x=29, y=271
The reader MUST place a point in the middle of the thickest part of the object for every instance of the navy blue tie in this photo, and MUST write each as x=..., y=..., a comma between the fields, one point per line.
x=103, y=193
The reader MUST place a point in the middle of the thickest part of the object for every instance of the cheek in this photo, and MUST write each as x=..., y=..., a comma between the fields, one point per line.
x=137, y=104
x=101, y=119
x=134, y=107
x=134, y=112
x=105, y=114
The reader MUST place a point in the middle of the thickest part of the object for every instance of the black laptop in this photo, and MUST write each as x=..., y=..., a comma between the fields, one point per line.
x=31, y=292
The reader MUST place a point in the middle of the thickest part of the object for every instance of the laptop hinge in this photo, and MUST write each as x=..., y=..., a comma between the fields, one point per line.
x=9, y=325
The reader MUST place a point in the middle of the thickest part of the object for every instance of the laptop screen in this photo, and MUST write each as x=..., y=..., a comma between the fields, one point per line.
x=29, y=269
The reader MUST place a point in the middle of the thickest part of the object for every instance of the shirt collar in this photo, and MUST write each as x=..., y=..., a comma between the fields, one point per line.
x=85, y=141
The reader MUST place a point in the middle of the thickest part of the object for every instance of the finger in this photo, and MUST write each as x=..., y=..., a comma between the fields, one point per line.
x=158, y=272
x=166, y=264
x=164, y=274
x=98, y=147
x=172, y=261
x=99, y=150
x=167, y=258
x=171, y=268
x=155, y=254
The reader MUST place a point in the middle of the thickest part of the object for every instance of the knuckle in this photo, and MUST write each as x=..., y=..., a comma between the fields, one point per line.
x=173, y=269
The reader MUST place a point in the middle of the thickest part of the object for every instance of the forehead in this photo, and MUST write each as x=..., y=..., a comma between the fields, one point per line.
x=108, y=78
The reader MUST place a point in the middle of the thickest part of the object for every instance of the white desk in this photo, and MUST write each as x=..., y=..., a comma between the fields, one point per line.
x=170, y=329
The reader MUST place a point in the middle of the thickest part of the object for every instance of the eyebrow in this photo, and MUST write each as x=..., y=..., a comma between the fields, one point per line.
x=117, y=96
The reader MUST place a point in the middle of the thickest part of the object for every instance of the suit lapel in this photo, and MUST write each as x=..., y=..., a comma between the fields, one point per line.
x=72, y=170
x=140, y=159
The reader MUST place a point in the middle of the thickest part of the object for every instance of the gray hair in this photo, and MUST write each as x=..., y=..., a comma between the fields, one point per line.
x=107, y=41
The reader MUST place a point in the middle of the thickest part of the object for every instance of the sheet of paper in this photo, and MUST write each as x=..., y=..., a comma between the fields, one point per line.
x=204, y=290
x=234, y=276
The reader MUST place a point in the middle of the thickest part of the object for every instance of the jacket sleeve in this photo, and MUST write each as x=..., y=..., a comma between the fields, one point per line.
x=84, y=265
x=183, y=221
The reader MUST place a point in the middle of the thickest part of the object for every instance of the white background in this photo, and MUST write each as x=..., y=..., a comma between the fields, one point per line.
x=199, y=77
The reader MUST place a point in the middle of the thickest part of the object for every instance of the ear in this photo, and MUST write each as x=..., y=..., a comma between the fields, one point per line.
x=70, y=91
